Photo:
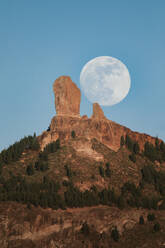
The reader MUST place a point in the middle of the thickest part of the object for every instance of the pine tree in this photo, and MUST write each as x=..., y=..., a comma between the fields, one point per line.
x=73, y=134
x=115, y=234
x=107, y=170
x=129, y=142
x=101, y=171
x=85, y=229
x=141, y=220
x=151, y=217
x=132, y=157
x=156, y=227
x=30, y=170
x=136, y=148
x=122, y=141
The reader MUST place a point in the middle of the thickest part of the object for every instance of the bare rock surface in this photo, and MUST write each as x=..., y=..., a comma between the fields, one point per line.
x=97, y=112
x=67, y=119
x=67, y=97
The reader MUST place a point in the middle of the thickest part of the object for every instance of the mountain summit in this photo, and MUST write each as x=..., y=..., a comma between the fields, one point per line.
x=85, y=182
x=68, y=119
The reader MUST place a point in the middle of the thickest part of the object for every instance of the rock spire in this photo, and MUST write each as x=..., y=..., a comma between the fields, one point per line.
x=97, y=112
x=67, y=97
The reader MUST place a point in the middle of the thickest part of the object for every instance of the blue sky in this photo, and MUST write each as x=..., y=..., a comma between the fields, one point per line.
x=42, y=40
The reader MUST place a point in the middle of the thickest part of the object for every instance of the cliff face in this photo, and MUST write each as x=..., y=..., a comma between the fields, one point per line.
x=67, y=97
x=67, y=103
x=106, y=131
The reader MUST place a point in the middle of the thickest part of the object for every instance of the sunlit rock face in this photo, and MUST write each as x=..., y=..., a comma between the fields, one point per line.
x=97, y=112
x=67, y=97
x=67, y=119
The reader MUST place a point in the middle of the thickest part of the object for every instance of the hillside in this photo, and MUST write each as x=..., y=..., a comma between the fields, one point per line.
x=81, y=227
x=82, y=182
x=76, y=180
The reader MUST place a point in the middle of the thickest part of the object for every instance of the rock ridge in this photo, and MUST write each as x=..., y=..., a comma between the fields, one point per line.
x=67, y=119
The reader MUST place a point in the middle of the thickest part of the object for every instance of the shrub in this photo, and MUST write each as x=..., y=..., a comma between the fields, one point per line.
x=115, y=234
x=66, y=183
x=73, y=134
x=132, y=157
x=68, y=171
x=85, y=229
x=141, y=220
x=131, y=187
x=48, y=129
x=136, y=148
x=156, y=227
x=122, y=141
x=129, y=143
x=151, y=217
x=41, y=165
x=28, y=205
x=1, y=169
x=156, y=152
x=107, y=170
x=30, y=170
x=101, y=171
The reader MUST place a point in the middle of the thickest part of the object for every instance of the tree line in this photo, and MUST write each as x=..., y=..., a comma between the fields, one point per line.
x=42, y=162
x=46, y=194
x=14, y=152
x=152, y=152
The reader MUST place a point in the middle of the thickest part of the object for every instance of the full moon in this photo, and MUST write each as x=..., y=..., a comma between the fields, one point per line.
x=105, y=80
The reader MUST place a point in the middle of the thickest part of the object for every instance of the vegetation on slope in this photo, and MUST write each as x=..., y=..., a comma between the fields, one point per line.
x=100, y=226
x=14, y=152
x=50, y=178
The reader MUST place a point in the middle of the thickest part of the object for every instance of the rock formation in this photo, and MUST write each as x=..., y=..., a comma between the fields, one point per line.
x=97, y=112
x=67, y=103
x=67, y=97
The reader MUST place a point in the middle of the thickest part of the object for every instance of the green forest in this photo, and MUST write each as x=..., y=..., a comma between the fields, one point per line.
x=48, y=192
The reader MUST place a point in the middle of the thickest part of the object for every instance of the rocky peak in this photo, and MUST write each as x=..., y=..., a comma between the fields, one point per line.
x=97, y=112
x=67, y=103
x=67, y=97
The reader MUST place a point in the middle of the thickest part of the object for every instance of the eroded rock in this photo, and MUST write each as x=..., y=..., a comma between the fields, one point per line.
x=67, y=97
x=97, y=112
x=67, y=119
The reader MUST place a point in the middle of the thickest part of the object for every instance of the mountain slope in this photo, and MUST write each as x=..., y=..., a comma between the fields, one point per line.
x=84, y=182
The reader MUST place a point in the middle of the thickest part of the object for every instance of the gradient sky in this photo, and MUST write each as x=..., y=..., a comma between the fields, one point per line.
x=41, y=40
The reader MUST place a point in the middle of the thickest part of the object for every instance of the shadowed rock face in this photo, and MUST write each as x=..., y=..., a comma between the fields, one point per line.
x=67, y=97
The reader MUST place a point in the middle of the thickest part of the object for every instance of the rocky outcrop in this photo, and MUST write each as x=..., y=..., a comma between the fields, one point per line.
x=97, y=112
x=67, y=97
x=67, y=101
x=106, y=131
